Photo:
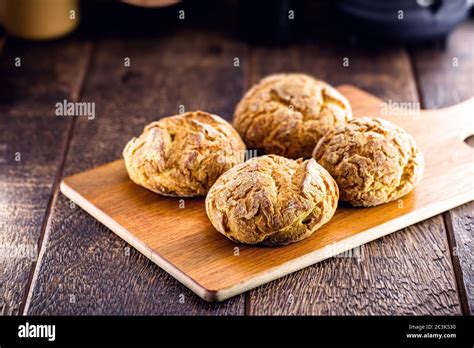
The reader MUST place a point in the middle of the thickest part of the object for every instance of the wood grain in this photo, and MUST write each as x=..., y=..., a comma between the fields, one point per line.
x=385, y=73
x=188, y=248
x=86, y=269
x=446, y=77
x=375, y=279
x=460, y=223
x=391, y=284
x=32, y=140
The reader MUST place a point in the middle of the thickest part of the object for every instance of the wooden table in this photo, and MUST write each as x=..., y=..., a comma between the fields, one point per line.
x=58, y=260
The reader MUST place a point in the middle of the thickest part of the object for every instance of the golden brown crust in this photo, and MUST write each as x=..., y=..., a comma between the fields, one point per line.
x=372, y=160
x=183, y=155
x=272, y=200
x=286, y=114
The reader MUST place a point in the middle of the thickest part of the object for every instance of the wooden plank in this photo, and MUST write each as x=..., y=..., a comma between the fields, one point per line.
x=184, y=243
x=377, y=279
x=446, y=77
x=408, y=272
x=460, y=223
x=86, y=269
x=384, y=73
x=32, y=142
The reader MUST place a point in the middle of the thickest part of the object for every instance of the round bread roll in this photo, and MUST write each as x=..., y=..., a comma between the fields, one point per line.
x=272, y=200
x=183, y=155
x=372, y=160
x=286, y=114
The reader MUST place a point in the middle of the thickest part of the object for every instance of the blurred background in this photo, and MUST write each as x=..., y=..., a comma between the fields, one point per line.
x=263, y=22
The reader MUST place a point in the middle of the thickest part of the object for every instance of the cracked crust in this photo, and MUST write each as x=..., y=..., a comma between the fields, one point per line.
x=183, y=155
x=286, y=114
x=272, y=200
x=372, y=160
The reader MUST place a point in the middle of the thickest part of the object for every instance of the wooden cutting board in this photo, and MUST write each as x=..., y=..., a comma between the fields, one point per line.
x=177, y=235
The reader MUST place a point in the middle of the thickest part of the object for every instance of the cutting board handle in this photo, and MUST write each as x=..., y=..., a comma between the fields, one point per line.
x=456, y=121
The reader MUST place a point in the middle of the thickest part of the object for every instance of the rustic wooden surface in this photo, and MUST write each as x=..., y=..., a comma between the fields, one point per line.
x=85, y=269
x=446, y=77
x=32, y=147
x=190, y=249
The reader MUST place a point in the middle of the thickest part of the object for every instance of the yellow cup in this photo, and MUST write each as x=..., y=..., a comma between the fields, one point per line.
x=39, y=19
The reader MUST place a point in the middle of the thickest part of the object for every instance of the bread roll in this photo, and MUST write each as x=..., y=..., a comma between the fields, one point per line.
x=272, y=200
x=287, y=114
x=183, y=155
x=372, y=160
